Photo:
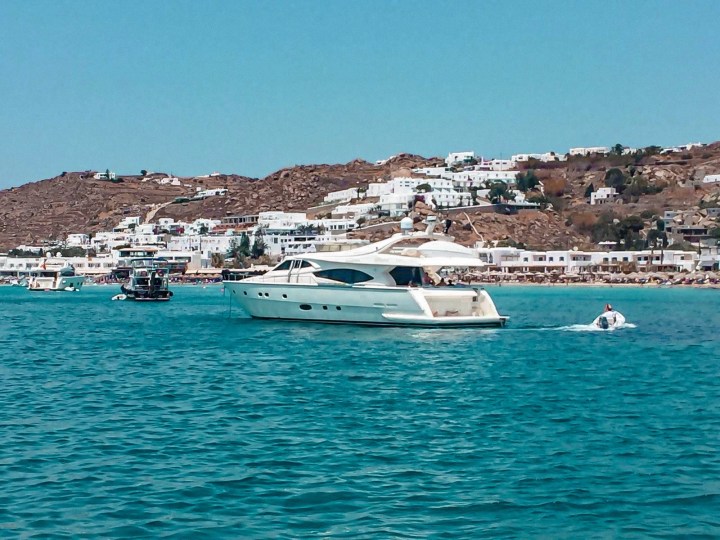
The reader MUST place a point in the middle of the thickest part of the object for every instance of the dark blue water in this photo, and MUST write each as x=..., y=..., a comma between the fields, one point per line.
x=175, y=420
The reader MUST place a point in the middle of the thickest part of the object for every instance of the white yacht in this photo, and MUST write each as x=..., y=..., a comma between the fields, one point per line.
x=386, y=283
x=54, y=274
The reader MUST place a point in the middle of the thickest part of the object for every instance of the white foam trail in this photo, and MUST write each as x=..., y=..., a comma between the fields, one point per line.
x=593, y=328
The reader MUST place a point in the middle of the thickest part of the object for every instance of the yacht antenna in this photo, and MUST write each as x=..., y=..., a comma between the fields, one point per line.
x=431, y=221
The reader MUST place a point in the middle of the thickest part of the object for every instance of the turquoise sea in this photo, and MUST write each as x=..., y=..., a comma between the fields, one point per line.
x=186, y=420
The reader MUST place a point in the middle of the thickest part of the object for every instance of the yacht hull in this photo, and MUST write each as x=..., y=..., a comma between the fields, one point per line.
x=63, y=283
x=378, y=306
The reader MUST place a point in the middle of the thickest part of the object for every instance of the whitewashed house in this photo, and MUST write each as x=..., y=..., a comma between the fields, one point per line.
x=545, y=157
x=77, y=239
x=459, y=157
x=341, y=196
x=711, y=179
x=604, y=195
x=355, y=211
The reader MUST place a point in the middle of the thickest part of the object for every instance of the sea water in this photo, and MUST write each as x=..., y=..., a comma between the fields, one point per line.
x=187, y=420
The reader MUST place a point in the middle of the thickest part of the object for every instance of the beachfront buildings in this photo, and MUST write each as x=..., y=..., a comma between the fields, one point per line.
x=568, y=262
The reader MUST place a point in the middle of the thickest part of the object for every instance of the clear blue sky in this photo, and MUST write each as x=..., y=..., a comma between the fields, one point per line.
x=193, y=87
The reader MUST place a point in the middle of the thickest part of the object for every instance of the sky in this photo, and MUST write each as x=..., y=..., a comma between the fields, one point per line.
x=250, y=87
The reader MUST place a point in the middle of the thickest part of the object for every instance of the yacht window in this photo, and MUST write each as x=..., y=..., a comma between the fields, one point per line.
x=305, y=264
x=344, y=275
x=405, y=275
x=285, y=265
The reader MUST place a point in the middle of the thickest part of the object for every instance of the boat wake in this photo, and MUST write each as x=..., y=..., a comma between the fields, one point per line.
x=594, y=328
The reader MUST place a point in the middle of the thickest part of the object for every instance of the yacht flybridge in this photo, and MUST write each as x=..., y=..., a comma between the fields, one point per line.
x=385, y=283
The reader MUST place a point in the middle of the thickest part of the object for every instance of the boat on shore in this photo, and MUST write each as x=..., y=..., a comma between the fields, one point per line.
x=394, y=282
x=148, y=281
x=54, y=274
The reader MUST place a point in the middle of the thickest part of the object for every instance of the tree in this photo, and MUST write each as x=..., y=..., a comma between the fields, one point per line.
x=473, y=194
x=239, y=249
x=143, y=172
x=615, y=178
x=499, y=192
x=589, y=191
x=424, y=188
x=217, y=260
x=259, y=246
x=526, y=181
x=539, y=199
x=618, y=149
x=244, y=247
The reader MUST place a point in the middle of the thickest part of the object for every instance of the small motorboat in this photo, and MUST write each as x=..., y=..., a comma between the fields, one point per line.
x=609, y=319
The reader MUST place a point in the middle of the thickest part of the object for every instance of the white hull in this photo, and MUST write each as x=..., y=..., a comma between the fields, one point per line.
x=60, y=283
x=366, y=304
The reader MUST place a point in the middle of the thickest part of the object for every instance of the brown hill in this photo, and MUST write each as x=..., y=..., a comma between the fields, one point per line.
x=75, y=202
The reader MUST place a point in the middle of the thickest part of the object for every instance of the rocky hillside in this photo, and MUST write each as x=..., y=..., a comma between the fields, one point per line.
x=651, y=183
x=75, y=202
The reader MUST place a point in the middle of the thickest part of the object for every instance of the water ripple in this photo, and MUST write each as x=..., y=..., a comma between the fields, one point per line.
x=177, y=421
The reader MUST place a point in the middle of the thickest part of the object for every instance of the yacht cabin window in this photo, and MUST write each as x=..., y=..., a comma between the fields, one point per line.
x=344, y=275
x=288, y=264
x=407, y=275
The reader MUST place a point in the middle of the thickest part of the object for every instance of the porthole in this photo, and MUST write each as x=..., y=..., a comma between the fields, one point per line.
x=284, y=295
x=325, y=307
x=259, y=294
x=338, y=308
x=305, y=307
x=267, y=295
x=245, y=293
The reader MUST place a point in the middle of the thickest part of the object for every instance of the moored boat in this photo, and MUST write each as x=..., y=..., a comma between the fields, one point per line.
x=148, y=280
x=54, y=274
x=388, y=283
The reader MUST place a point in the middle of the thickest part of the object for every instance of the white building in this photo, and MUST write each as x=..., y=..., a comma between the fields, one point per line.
x=478, y=178
x=711, y=179
x=604, y=195
x=127, y=223
x=109, y=175
x=546, y=157
x=589, y=151
x=341, y=196
x=431, y=171
x=78, y=239
x=509, y=260
x=205, y=193
x=459, y=157
x=396, y=204
x=355, y=211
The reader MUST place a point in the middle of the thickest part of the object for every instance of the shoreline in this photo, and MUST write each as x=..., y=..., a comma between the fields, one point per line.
x=600, y=284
